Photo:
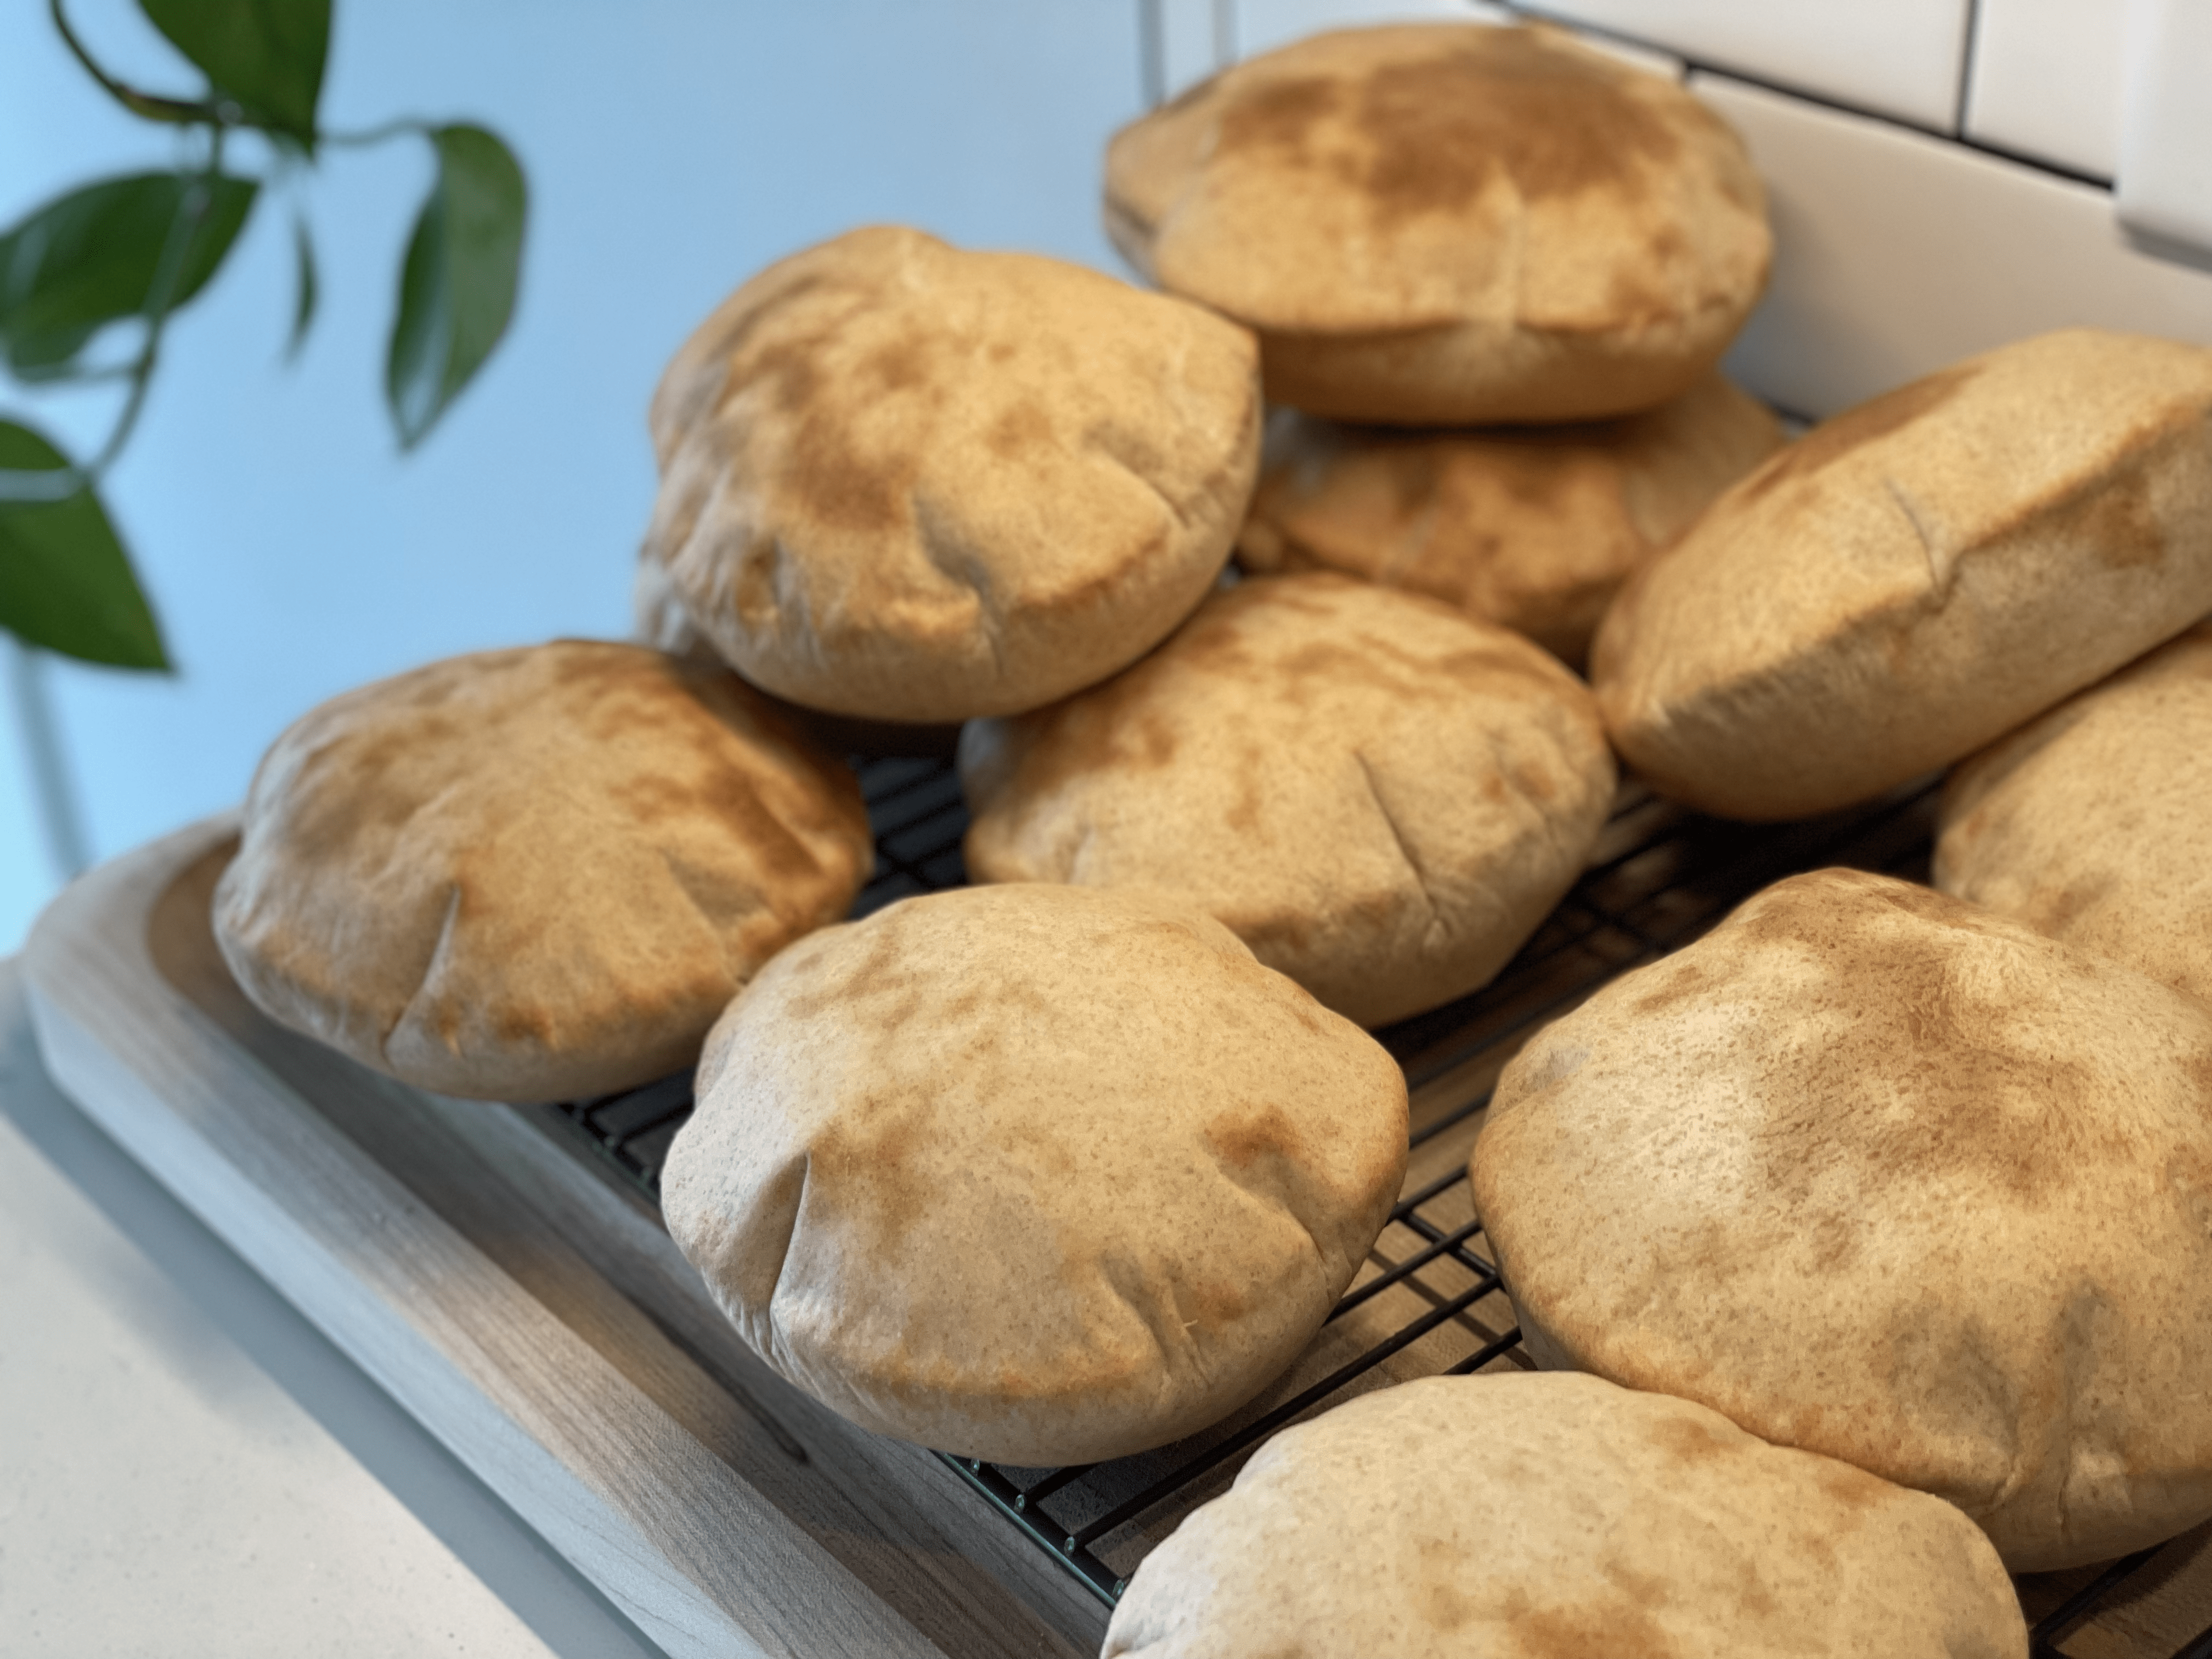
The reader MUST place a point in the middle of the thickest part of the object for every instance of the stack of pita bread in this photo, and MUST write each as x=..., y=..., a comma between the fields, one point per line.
x=1070, y=1165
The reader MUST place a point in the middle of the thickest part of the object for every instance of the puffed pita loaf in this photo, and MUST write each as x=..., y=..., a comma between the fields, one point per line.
x=907, y=482
x=1450, y=223
x=1919, y=575
x=1526, y=1515
x=1534, y=528
x=2089, y=823
x=1041, y=1175
x=1881, y=1175
x=1381, y=797
x=536, y=874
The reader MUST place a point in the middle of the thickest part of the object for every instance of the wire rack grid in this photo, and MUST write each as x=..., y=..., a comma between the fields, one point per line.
x=1428, y=1301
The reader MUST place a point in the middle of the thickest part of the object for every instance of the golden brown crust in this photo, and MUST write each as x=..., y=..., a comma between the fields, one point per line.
x=2088, y=822
x=1534, y=528
x=1034, y=1174
x=1450, y=224
x=904, y=481
x=534, y=874
x=1559, y=1517
x=1381, y=797
x=1879, y=1174
x=1919, y=575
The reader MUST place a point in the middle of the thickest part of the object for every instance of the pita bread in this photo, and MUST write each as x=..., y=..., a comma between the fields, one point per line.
x=1381, y=797
x=536, y=874
x=1450, y=224
x=1532, y=528
x=1878, y=1174
x=904, y=481
x=1034, y=1174
x=2088, y=823
x=1919, y=575
x=1532, y=1516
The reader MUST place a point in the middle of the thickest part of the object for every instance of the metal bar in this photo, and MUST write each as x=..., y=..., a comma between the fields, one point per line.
x=1253, y=1433
x=1411, y=1264
x=2042, y=1639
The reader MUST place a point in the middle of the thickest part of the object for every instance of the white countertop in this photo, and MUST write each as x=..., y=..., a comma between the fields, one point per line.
x=188, y=1468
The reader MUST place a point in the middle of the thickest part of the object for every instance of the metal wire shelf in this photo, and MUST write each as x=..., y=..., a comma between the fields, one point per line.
x=1429, y=1301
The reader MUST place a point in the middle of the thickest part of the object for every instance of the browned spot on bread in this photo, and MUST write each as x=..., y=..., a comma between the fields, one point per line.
x=867, y=1168
x=725, y=794
x=1561, y=124
x=1244, y=813
x=2108, y=507
x=1677, y=982
x=1614, y=1625
x=899, y=366
x=1686, y=1440
x=2052, y=910
x=1217, y=1302
x=1242, y=1139
x=1276, y=116
x=846, y=486
x=849, y=485
x=1023, y=429
x=1854, y=1489
x=521, y=1023
x=1830, y=442
x=1921, y=1072
x=2118, y=520
x=1444, y=1605
x=882, y=972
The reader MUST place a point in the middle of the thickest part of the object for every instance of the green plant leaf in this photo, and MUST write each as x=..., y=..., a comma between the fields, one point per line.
x=91, y=257
x=457, y=284
x=65, y=582
x=266, y=56
x=306, y=289
x=46, y=355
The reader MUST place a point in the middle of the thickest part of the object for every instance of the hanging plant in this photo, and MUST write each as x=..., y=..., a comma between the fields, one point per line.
x=130, y=252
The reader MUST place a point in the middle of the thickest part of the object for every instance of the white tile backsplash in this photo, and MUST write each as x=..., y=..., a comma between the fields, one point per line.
x=2166, y=124
x=1896, y=253
x=1900, y=57
x=2046, y=81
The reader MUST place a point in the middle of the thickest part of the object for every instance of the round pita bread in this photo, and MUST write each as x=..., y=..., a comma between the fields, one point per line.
x=1531, y=1515
x=531, y=875
x=1447, y=223
x=1532, y=528
x=1881, y=1174
x=1917, y=577
x=1381, y=797
x=1034, y=1174
x=905, y=482
x=2088, y=823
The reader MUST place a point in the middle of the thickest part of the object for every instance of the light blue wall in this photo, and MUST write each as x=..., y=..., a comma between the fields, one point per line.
x=672, y=148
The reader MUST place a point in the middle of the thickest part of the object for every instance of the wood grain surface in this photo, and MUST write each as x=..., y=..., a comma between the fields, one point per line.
x=521, y=1298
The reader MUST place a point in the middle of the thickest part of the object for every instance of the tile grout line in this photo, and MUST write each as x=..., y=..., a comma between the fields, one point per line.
x=1967, y=43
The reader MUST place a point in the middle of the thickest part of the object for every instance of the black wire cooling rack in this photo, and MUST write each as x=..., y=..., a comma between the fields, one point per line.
x=1429, y=1301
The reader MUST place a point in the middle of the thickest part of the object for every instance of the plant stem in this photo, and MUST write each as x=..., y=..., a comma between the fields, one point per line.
x=149, y=104
x=376, y=134
x=60, y=483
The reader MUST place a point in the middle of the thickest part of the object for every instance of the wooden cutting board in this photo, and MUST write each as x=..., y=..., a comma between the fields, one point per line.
x=524, y=1302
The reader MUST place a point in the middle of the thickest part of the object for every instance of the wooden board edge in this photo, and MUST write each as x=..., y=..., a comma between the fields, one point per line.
x=124, y=1044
